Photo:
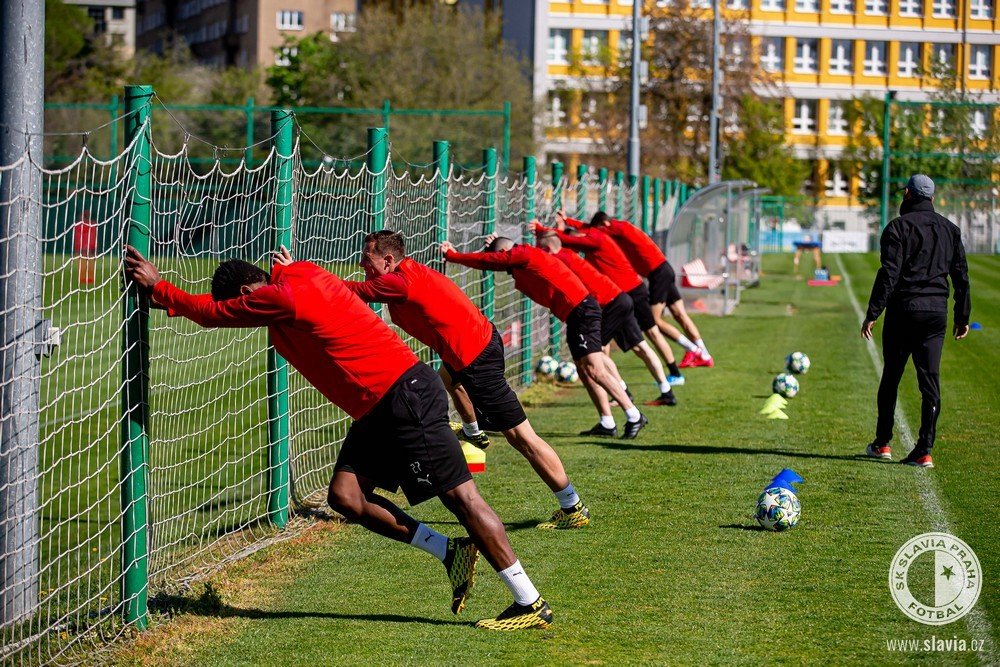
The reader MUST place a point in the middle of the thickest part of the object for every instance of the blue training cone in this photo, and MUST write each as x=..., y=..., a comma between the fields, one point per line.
x=784, y=480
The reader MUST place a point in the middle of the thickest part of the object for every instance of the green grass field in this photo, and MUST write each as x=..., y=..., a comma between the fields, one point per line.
x=671, y=571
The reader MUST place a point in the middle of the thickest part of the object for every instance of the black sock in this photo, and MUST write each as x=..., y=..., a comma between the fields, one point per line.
x=672, y=367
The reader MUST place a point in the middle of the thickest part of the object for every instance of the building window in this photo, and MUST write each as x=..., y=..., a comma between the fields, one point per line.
x=944, y=56
x=805, y=56
x=836, y=120
x=981, y=9
x=118, y=13
x=978, y=125
x=909, y=59
x=943, y=9
x=283, y=58
x=558, y=47
x=588, y=112
x=836, y=185
x=735, y=53
x=772, y=5
x=772, y=54
x=875, y=7
x=343, y=22
x=807, y=5
x=842, y=57
x=701, y=4
x=841, y=6
x=97, y=15
x=979, y=62
x=804, y=120
x=595, y=44
x=874, y=59
x=557, y=114
x=911, y=8
x=737, y=4
x=289, y=20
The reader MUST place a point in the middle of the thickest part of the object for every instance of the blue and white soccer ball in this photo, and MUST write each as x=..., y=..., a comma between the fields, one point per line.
x=785, y=384
x=567, y=372
x=797, y=362
x=778, y=509
x=547, y=366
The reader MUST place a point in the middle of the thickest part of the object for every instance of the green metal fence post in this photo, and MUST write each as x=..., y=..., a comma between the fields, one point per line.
x=278, y=429
x=602, y=189
x=378, y=159
x=488, y=296
x=644, y=203
x=248, y=152
x=113, y=139
x=657, y=194
x=581, y=192
x=619, y=198
x=441, y=169
x=555, y=326
x=506, y=137
x=527, y=363
x=134, y=456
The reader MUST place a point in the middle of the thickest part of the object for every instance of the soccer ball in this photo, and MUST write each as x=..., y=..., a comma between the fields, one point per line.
x=785, y=384
x=797, y=362
x=567, y=372
x=547, y=366
x=778, y=509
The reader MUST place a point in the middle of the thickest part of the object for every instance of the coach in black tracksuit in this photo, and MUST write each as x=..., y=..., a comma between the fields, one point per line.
x=920, y=249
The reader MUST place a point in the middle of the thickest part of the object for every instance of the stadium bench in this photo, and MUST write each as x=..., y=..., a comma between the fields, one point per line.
x=696, y=276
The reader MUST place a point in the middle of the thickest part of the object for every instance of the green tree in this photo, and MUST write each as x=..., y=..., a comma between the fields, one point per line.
x=759, y=153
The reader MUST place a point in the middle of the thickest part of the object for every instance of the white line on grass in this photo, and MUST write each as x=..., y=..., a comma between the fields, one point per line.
x=978, y=625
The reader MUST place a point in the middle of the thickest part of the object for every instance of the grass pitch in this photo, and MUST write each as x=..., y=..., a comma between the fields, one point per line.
x=672, y=569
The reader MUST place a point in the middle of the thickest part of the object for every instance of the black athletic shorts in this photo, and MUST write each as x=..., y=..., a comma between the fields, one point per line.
x=497, y=406
x=618, y=323
x=583, y=329
x=406, y=441
x=663, y=285
x=641, y=305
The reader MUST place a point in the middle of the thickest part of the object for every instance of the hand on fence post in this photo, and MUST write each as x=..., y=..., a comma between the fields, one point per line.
x=490, y=238
x=446, y=247
x=282, y=257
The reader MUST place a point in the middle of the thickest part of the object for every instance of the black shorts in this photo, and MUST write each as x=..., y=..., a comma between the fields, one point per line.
x=641, y=305
x=497, y=406
x=618, y=323
x=406, y=441
x=663, y=285
x=583, y=329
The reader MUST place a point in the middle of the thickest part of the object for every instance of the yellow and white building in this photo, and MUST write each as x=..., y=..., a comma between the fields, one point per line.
x=820, y=53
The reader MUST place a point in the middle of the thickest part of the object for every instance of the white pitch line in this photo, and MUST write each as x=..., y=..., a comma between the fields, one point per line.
x=978, y=625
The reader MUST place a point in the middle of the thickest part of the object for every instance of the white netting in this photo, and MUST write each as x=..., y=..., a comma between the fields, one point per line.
x=209, y=457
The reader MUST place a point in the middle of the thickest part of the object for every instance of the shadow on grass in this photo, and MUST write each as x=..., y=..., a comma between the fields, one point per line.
x=516, y=525
x=210, y=604
x=742, y=526
x=695, y=449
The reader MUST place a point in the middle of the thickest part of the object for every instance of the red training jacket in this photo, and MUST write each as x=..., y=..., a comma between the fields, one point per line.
x=329, y=335
x=600, y=286
x=432, y=309
x=641, y=251
x=540, y=276
x=602, y=251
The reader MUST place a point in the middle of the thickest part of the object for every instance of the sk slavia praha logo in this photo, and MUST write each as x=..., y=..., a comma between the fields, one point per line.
x=935, y=578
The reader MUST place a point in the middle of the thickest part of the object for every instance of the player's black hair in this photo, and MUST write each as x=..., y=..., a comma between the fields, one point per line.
x=388, y=242
x=549, y=236
x=500, y=243
x=599, y=219
x=233, y=274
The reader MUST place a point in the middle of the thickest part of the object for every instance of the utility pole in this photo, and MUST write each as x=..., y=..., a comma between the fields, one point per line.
x=633, y=135
x=22, y=48
x=713, y=120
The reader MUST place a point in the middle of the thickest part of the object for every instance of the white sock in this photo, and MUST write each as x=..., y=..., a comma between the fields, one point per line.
x=431, y=541
x=704, y=350
x=633, y=414
x=664, y=386
x=471, y=428
x=686, y=343
x=624, y=386
x=519, y=585
x=567, y=497
x=607, y=421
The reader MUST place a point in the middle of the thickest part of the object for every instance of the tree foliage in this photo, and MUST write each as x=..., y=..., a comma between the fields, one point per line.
x=759, y=152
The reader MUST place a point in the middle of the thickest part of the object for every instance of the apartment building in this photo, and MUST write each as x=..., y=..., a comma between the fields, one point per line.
x=820, y=54
x=244, y=33
x=113, y=19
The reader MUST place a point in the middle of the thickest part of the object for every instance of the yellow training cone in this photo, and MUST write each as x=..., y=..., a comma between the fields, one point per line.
x=475, y=458
x=774, y=402
x=777, y=414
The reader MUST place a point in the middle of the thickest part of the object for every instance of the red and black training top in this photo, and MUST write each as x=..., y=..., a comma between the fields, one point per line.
x=600, y=286
x=603, y=253
x=641, y=251
x=327, y=333
x=431, y=308
x=540, y=276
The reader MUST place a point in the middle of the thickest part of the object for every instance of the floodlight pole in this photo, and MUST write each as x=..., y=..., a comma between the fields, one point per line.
x=713, y=120
x=633, y=134
x=22, y=48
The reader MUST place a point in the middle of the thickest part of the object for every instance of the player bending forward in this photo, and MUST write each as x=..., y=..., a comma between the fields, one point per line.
x=549, y=283
x=400, y=436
